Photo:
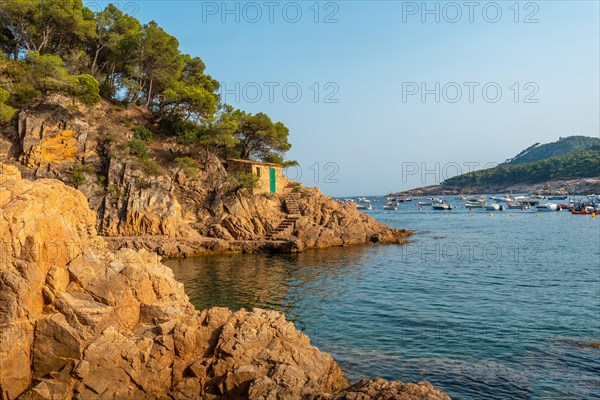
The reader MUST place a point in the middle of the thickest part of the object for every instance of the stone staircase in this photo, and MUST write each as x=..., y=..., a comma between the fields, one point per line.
x=286, y=227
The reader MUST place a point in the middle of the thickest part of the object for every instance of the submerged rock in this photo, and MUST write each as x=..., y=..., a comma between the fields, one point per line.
x=80, y=321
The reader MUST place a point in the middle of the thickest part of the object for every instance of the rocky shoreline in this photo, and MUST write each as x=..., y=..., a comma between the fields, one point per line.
x=183, y=248
x=583, y=186
x=172, y=210
x=78, y=320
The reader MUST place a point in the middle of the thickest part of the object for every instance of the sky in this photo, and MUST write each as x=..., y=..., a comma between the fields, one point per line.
x=382, y=96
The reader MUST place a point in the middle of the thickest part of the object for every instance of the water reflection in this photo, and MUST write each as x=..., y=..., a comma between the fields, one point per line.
x=500, y=325
x=274, y=281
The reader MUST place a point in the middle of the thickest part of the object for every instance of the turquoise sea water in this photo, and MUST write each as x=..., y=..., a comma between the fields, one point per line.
x=482, y=307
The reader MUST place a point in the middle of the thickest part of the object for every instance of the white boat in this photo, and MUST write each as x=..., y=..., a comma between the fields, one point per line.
x=442, y=206
x=494, y=207
x=364, y=206
x=425, y=203
x=548, y=207
x=390, y=205
x=476, y=202
x=531, y=201
x=502, y=199
x=515, y=205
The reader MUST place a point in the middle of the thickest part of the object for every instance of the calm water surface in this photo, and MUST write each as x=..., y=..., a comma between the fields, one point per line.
x=483, y=307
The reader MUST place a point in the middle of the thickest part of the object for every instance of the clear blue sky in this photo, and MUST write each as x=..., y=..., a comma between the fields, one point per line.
x=372, y=56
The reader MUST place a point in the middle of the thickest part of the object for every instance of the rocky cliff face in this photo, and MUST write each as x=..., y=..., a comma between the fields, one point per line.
x=79, y=321
x=157, y=205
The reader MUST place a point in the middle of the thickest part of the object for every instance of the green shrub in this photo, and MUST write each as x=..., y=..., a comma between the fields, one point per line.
x=242, y=182
x=24, y=92
x=187, y=132
x=187, y=165
x=87, y=89
x=115, y=192
x=6, y=111
x=144, y=184
x=187, y=136
x=139, y=148
x=149, y=166
x=142, y=133
x=78, y=176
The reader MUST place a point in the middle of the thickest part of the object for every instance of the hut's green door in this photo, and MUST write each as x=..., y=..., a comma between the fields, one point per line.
x=273, y=181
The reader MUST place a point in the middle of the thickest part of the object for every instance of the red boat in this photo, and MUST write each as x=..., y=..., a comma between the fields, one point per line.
x=582, y=212
x=565, y=206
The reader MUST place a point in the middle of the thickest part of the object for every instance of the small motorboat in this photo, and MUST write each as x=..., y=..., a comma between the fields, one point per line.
x=476, y=202
x=442, y=206
x=557, y=197
x=365, y=206
x=548, y=207
x=527, y=200
x=390, y=205
x=425, y=203
x=502, y=199
x=515, y=205
x=494, y=207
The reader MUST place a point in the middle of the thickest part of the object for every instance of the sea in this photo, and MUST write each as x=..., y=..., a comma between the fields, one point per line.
x=484, y=305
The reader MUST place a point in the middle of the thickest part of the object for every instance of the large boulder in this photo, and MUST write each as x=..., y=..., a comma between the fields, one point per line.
x=325, y=222
x=380, y=389
x=80, y=321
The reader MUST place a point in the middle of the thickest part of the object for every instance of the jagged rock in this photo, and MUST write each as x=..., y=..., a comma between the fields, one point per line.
x=88, y=147
x=79, y=321
x=8, y=173
x=325, y=222
x=380, y=389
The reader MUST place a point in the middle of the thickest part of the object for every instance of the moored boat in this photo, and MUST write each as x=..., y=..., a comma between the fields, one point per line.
x=582, y=212
x=442, y=206
x=557, y=197
x=494, y=207
x=503, y=199
x=390, y=205
x=476, y=202
x=515, y=205
x=531, y=201
x=548, y=207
